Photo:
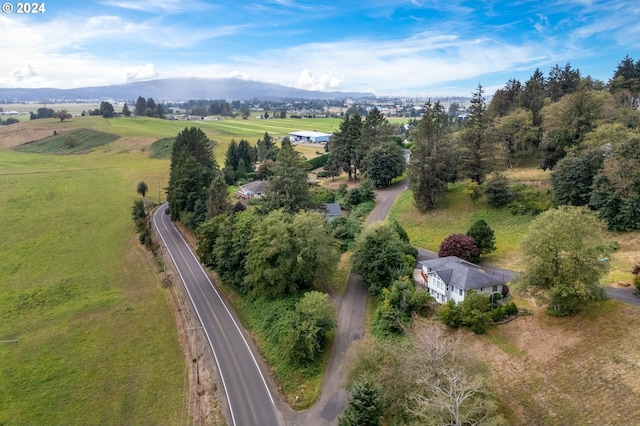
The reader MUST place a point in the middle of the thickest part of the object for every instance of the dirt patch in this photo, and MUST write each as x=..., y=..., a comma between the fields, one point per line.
x=559, y=371
x=21, y=133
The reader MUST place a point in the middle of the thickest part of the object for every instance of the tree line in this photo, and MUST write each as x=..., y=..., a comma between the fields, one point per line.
x=586, y=132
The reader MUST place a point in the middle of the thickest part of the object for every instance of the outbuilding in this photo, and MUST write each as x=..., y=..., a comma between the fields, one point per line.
x=309, y=136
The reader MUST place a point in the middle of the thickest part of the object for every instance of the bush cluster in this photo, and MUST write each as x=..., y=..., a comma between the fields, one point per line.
x=475, y=311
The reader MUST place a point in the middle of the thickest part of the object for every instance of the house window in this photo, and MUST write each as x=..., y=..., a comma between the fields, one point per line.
x=460, y=291
x=495, y=288
x=481, y=289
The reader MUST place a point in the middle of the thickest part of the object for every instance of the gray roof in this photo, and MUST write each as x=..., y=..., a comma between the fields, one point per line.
x=257, y=186
x=333, y=209
x=463, y=274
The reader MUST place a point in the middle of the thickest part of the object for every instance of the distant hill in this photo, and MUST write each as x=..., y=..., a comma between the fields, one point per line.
x=177, y=89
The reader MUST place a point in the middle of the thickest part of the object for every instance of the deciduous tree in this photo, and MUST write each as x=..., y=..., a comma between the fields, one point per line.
x=62, y=115
x=616, y=189
x=142, y=188
x=383, y=163
x=564, y=255
x=459, y=245
x=379, y=256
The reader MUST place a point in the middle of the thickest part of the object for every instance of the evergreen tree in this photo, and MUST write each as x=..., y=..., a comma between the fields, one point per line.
x=191, y=171
x=533, y=96
x=247, y=153
x=616, y=189
x=572, y=178
x=218, y=201
x=266, y=148
x=475, y=139
x=432, y=165
x=141, y=106
x=288, y=187
x=483, y=236
x=125, y=110
x=344, y=145
x=365, y=406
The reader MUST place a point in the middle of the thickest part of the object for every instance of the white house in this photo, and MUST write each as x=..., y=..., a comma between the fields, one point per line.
x=449, y=278
x=255, y=189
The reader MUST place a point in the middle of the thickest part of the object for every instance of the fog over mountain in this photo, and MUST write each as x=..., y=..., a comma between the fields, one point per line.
x=177, y=89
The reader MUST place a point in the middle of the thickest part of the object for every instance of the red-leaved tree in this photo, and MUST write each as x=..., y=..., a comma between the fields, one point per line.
x=461, y=246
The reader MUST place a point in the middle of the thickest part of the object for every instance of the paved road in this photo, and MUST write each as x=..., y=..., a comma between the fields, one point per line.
x=249, y=398
x=623, y=295
x=351, y=309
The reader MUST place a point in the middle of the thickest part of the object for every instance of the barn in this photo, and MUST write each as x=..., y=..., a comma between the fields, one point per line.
x=309, y=136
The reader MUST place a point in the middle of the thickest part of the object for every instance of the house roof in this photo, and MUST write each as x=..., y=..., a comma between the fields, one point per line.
x=257, y=186
x=463, y=274
x=333, y=209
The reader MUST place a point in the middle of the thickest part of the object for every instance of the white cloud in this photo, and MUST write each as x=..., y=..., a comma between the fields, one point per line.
x=141, y=73
x=25, y=76
x=307, y=81
x=159, y=6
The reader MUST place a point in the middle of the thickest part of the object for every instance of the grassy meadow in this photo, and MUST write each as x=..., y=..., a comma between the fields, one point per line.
x=97, y=341
x=141, y=132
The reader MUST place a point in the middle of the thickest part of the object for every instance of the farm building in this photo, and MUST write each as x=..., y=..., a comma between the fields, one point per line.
x=449, y=278
x=309, y=136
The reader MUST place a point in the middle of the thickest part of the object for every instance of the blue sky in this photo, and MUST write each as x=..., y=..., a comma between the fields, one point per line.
x=407, y=48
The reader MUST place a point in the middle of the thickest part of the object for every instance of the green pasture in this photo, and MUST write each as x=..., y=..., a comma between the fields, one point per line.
x=97, y=341
x=221, y=131
x=78, y=141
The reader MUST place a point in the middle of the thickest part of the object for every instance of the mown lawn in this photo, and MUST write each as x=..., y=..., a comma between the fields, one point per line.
x=454, y=215
x=97, y=338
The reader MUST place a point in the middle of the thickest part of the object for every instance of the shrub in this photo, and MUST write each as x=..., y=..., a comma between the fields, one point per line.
x=459, y=245
x=530, y=200
x=511, y=309
x=318, y=161
x=497, y=190
x=449, y=314
x=420, y=300
x=498, y=314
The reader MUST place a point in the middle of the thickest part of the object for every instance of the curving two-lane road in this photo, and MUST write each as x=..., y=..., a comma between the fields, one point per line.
x=249, y=398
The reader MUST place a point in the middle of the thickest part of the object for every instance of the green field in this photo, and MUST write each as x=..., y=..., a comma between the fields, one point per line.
x=144, y=131
x=97, y=341
x=79, y=141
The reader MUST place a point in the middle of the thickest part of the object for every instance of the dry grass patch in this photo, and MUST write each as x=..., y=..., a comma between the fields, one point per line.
x=564, y=371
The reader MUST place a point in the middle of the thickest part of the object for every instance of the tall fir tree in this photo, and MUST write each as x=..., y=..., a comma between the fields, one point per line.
x=476, y=140
x=432, y=164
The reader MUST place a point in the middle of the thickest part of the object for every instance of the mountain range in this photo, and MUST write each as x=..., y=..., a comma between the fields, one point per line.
x=176, y=89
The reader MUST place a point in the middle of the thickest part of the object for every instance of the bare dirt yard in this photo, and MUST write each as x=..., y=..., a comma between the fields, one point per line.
x=581, y=370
